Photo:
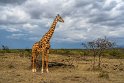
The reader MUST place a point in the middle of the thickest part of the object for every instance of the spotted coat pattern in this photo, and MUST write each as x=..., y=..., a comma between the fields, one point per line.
x=43, y=45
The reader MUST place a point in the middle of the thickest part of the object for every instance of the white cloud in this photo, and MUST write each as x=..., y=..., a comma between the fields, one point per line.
x=30, y=26
x=119, y=32
x=12, y=30
x=11, y=13
x=16, y=36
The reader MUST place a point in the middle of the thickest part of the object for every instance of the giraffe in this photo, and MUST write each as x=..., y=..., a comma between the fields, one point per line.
x=43, y=46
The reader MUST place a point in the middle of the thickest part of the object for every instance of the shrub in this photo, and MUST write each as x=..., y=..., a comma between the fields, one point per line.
x=114, y=53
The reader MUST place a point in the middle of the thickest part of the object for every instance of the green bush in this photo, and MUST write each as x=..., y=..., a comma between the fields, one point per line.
x=114, y=53
x=117, y=53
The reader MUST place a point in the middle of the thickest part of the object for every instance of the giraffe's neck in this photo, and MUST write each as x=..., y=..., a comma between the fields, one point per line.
x=49, y=34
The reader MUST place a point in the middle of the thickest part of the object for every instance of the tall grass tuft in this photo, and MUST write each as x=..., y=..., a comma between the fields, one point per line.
x=104, y=74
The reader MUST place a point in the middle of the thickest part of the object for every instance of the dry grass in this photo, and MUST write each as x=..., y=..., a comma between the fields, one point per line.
x=63, y=69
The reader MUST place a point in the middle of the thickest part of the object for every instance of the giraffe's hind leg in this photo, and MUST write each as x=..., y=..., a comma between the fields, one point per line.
x=33, y=62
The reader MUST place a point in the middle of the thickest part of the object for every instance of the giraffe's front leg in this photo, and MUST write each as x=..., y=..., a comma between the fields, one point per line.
x=47, y=61
x=33, y=62
x=42, y=61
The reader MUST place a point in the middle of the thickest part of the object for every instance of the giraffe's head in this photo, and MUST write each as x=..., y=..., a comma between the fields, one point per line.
x=59, y=18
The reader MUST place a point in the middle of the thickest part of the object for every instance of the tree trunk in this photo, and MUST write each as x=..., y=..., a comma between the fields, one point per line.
x=100, y=54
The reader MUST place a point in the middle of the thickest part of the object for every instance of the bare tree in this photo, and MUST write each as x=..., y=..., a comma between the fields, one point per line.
x=5, y=48
x=98, y=47
x=101, y=45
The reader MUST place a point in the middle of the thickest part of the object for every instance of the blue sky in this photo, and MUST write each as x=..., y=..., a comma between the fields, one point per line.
x=23, y=22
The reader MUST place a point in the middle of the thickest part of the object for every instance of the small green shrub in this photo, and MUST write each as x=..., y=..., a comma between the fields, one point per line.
x=114, y=53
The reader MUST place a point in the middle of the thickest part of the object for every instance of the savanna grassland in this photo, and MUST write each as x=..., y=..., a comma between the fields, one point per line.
x=65, y=66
